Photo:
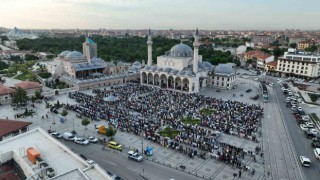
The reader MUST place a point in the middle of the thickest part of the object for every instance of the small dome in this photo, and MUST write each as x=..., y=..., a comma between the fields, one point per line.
x=174, y=71
x=64, y=53
x=224, y=69
x=147, y=67
x=189, y=73
x=167, y=70
x=74, y=54
x=153, y=68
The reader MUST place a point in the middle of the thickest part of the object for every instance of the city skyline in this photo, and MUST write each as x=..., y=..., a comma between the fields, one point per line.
x=142, y=14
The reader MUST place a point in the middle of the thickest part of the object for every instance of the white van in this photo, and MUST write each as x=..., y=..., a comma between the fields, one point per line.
x=68, y=136
x=317, y=152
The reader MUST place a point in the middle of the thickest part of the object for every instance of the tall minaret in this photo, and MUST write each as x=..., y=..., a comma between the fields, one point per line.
x=149, y=43
x=196, y=45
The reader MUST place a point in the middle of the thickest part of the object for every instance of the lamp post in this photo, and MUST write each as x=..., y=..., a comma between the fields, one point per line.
x=73, y=124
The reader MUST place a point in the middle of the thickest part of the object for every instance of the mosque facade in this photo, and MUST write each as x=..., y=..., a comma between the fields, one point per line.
x=179, y=69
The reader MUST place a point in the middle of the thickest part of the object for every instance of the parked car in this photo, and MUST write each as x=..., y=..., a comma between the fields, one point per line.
x=304, y=127
x=309, y=134
x=135, y=156
x=305, y=118
x=92, y=139
x=69, y=136
x=315, y=144
x=305, y=161
x=115, y=145
x=299, y=108
x=89, y=161
x=310, y=124
x=316, y=152
x=56, y=135
x=313, y=131
x=81, y=141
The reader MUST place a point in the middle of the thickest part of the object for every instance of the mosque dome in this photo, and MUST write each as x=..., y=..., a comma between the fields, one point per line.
x=224, y=69
x=74, y=54
x=180, y=50
x=64, y=53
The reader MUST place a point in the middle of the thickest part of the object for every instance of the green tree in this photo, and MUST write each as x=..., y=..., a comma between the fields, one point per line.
x=64, y=113
x=311, y=48
x=277, y=52
x=85, y=121
x=19, y=97
x=293, y=45
x=37, y=94
x=30, y=57
x=110, y=131
x=33, y=99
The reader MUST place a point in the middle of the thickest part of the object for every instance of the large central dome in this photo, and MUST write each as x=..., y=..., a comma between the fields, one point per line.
x=180, y=50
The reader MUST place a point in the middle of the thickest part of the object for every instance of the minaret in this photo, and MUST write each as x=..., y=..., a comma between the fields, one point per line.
x=149, y=43
x=196, y=45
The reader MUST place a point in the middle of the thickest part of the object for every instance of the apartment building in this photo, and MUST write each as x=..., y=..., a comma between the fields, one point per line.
x=302, y=45
x=300, y=64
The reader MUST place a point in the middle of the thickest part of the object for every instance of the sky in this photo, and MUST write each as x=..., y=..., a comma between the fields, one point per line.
x=161, y=14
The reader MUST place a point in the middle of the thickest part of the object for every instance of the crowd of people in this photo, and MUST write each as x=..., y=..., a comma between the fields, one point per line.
x=145, y=110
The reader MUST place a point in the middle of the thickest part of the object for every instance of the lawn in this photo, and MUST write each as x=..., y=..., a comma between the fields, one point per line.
x=314, y=117
x=189, y=120
x=22, y=77
x=206, y=111
x=169, y=132
x=44, y=75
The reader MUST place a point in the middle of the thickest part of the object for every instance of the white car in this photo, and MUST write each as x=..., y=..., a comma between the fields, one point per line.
x=316, y=152
x=303, y=127
x=305, y=161
x=56, y=135
x=313, y=131
x=271, y=84
x=310, y=124
x=135, y=156
x=89, y=161
x=92, y=139
x=305, y=118
x=299, y=108
x=81, y=141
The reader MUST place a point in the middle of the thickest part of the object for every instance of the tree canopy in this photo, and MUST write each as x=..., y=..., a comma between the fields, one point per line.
x=19, y=97
x=128, y=48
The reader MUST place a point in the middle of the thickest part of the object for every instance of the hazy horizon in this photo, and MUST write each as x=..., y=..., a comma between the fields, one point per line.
x=160, y=15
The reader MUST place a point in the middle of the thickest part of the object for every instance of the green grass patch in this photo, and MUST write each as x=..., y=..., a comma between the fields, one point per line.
x=313, y=97
x=22, y=77
x=169, y=132
x=206, y=111
x=189, y=120
x=44, y=75
x=314, y=117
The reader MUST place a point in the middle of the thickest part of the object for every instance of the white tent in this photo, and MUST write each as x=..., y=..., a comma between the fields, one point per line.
x=111, y=98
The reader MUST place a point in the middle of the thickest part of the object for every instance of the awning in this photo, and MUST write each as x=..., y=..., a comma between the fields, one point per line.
x=111, y=98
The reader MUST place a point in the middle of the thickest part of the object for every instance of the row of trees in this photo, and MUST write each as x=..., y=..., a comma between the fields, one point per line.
x=127, y=48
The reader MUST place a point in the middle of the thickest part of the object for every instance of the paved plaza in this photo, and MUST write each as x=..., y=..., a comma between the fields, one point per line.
x=206, y=168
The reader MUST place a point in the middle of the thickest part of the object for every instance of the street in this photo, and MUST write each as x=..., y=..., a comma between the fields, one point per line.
x=118, y=163
x=301, y=144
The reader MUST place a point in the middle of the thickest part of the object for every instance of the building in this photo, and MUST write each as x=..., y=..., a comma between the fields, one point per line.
x=271, y=66
x=223, y=76
x=15, y=33
x=296, y=39
x=6, y=92
x=262, y=60
x=29, y=87
x=264, y=39
x=179, y=69
x=301, y=64
x=10, y=128
x=302, y=45
x=87, y=70
x=40, y=156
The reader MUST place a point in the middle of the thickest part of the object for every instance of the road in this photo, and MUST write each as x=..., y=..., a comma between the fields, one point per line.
x=301, y=144
x=119, y=164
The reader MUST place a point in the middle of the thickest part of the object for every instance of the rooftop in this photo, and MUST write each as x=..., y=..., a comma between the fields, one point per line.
x=28, y=85
x=65, y=163
x=8, y=126
x=5, y=90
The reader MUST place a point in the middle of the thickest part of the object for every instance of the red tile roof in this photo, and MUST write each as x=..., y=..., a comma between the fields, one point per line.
x=8, y=126
x=272, y=63
x=6, y=90
x=28, y=85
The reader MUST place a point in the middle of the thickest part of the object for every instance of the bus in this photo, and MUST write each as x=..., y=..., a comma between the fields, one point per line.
x=264, y=92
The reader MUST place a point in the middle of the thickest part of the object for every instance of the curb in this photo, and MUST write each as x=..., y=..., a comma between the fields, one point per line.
x=143, y=176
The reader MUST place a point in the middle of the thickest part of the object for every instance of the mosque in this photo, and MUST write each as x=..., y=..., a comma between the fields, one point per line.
x=87, y=70
x=182, y=69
